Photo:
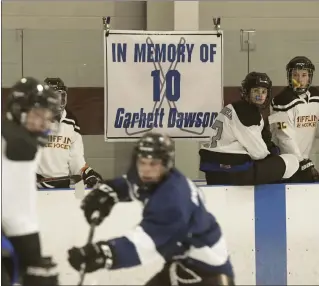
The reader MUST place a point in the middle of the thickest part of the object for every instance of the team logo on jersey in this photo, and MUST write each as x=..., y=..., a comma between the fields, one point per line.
x=62, y=142
x=307, y=121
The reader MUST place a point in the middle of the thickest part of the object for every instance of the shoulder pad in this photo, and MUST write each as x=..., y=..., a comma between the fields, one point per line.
x=248, y=114
x=20, y=145
x=285, y=100
x=71, y=120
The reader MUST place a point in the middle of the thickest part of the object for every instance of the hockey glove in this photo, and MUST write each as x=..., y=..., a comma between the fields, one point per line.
x=101, y=199
x=90, y=177
x=308, y=166
x=93, y=256
x=43, y=273
x=274, y=149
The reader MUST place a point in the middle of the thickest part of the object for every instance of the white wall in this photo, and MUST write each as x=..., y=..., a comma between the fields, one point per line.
x=284, y=29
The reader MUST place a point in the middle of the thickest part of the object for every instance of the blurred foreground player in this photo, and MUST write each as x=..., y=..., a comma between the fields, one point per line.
x=175, y=227
x=300, y=101
x=63, y=155
x=29, y=113
x=241, y=151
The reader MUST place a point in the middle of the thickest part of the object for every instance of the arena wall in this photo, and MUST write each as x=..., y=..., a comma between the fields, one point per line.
x=64, y=38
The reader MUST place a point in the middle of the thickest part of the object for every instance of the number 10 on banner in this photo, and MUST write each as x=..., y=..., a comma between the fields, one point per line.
x=173, y=85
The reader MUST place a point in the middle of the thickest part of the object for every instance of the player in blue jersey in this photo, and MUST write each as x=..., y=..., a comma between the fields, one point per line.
x=175, y=226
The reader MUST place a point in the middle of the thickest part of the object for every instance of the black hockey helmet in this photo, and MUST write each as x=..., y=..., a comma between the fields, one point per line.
x=256, y=79
x=299, y=63
x=56, y=83
x=157, y=146
x=151, y=145
x=60, y=88
x=29, y=93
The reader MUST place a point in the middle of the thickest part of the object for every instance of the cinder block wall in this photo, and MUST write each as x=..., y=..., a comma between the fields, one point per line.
x=64, y=38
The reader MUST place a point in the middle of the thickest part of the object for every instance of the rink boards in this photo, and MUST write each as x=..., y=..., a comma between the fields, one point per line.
x=272, y=233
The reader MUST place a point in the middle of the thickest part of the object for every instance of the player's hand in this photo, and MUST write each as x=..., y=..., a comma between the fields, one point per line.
x=43, y=273
x=274, y=149
x=308, y=166
x=92, y=256
x=101, y=199
x=90, y=177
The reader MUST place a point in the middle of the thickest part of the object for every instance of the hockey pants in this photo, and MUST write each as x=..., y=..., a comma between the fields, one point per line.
x=177, y=274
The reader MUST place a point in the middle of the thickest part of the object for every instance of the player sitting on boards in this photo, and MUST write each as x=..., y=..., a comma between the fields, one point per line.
x=300, y=101
x=240, y=151
x=30, y=108
x=176, y=227
x=63, y=155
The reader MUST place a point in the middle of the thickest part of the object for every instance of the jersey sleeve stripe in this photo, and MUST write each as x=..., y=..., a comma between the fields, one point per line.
x=134, y=249
x=215, y=255
x=314, y=99
x=286, y=107
x=71, y=122
x=144, y=244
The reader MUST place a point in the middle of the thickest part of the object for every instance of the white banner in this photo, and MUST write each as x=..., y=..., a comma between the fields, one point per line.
x=169, y=82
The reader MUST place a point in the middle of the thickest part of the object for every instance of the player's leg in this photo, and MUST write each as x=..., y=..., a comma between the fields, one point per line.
x=275, y=168
x=307, y=173
x=6, y=271
x=184, y=274
x=161, y=278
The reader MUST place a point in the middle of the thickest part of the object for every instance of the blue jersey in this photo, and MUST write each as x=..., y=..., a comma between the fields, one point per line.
x=175, y=225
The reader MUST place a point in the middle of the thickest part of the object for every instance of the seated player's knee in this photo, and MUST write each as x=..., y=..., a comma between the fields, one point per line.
x=292, y=165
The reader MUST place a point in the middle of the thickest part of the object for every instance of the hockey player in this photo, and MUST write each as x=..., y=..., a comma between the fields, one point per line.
x=240, y=151
x=300, y=101
x=175, y=227
x=63, y=155
x=29, y=112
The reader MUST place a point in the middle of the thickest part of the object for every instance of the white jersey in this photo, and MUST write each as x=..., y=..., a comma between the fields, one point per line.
x=237, y=129
x=19, y=191
x=63, y=155
x=296, y=134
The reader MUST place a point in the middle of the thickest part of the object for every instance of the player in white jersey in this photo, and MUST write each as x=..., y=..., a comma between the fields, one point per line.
x=300, y=101
x=176, y=228
x=30, y=108
x=63, y=155
x=240, y=151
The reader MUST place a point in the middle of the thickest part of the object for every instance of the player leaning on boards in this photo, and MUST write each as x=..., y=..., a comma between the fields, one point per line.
x=300, y=101
x=240, y=151
x=30, y=108
x=175, y=227
x=63, y=155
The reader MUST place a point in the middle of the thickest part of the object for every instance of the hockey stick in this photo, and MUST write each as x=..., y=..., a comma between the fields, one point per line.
x=75, y=178
x=79, y=187
x=89, y=241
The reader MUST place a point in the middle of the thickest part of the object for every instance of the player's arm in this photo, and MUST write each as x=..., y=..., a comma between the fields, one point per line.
x=77, y=162
x=284, y=133
x=267, y=137
x=152, y=239
x=19, y=212
x=250, y=138
x=159, y=233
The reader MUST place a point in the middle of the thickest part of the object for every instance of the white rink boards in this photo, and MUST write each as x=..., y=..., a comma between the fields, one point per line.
x=272, y=233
